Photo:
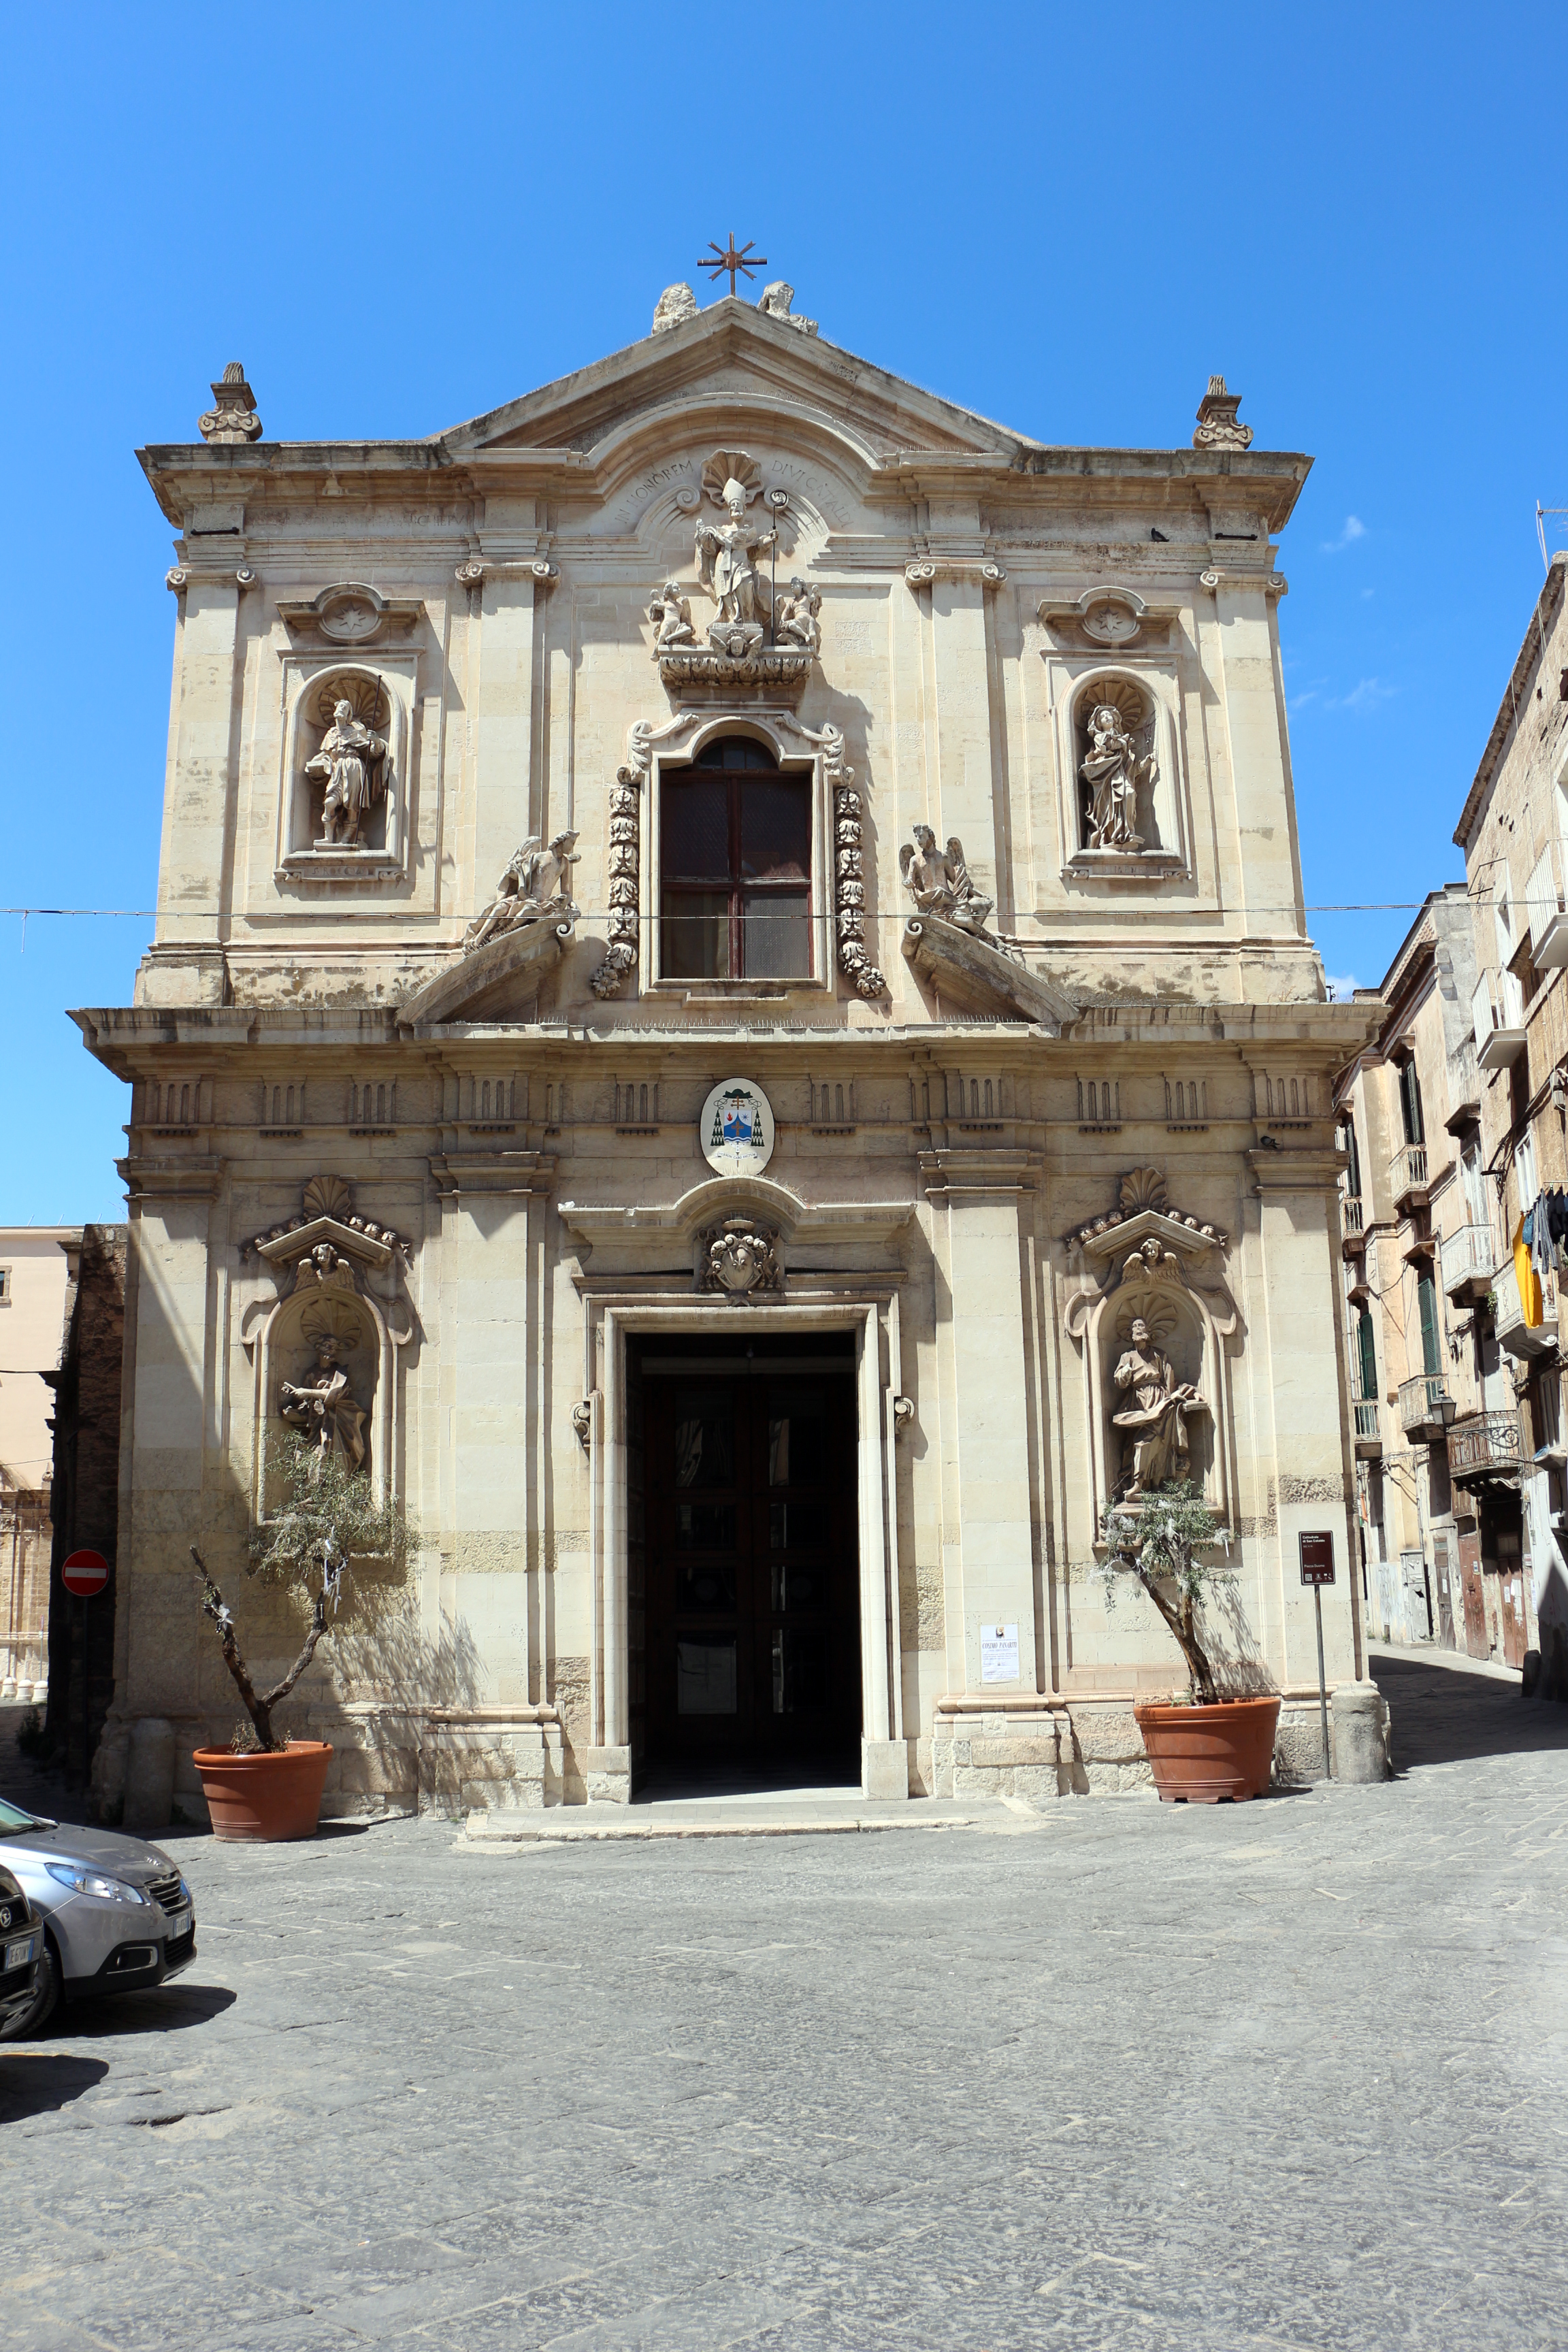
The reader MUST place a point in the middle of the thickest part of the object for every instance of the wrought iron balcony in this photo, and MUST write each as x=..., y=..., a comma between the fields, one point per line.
x=1368, y=1435
x=1464, y=1257
x=1352, y=1224
x=1485, y=1445
x=1426, y=1407
x=1407, y=1176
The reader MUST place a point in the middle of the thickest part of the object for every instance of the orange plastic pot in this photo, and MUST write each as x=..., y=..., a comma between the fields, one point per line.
x=265, y=1798
x=1200, y=1755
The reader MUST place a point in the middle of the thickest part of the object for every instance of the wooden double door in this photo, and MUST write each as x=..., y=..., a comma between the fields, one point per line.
x=752, y=1641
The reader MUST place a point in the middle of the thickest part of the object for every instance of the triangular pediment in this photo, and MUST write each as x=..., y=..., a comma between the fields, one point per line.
x=732, y=357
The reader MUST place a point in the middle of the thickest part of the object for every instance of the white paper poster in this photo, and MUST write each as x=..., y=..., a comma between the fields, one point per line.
x=998, y=1653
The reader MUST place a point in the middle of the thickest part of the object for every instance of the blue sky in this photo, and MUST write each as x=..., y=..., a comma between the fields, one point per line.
x=400, y=217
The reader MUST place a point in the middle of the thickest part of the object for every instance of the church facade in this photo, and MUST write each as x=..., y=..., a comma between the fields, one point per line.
x=731, y=1014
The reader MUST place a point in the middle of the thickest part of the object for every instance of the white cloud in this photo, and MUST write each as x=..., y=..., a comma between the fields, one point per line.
x=1341, y=986
x=1365, y=695
x=1354, y=529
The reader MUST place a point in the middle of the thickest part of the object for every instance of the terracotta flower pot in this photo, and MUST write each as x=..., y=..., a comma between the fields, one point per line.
x=1203, y=1754
x=267, y=1797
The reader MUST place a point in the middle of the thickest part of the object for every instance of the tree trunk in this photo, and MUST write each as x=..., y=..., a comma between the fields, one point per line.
x=1183, y=1632
x=258, y=1710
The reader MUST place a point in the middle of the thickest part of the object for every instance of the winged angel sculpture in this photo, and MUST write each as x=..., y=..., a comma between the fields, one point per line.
x=939, y=882
x=532, y=888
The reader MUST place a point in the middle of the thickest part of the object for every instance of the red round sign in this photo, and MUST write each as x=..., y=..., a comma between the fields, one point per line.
x=85, y=1573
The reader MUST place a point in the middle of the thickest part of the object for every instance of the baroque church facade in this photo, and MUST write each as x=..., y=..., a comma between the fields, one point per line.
x=732, y=1008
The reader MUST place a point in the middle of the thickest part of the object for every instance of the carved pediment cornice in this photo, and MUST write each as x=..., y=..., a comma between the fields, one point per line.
x=1107, y=619
x=459, y=992
x=998, y=982
x=350, y=615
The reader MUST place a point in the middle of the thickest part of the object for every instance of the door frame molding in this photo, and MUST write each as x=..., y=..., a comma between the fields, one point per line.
x=867, y=1306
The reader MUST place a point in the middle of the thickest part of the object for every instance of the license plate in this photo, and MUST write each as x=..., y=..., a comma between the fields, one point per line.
x=19, y=1955
x=179, y=1924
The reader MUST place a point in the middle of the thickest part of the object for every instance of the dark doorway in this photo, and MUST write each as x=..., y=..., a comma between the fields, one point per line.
x=749, y=1626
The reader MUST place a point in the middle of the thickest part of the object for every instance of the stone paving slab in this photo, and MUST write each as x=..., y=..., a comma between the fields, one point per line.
x=1279, y=2076
x=808, y=1812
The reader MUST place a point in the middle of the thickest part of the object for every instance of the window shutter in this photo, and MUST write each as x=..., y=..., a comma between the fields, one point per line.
x=1367, y=1345
x=1427, y=1293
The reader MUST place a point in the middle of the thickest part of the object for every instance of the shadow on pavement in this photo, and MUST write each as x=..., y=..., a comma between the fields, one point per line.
x=35, y=2083
x=1443, y=1715
x=163, y=2010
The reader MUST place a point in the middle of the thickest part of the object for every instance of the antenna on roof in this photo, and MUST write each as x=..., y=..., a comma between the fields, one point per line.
x=1551, y=531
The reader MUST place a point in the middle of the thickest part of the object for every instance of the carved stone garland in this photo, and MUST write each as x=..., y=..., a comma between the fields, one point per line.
x=625, y=826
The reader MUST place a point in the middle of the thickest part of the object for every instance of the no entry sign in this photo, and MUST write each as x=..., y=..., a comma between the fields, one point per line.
x=85, y=1573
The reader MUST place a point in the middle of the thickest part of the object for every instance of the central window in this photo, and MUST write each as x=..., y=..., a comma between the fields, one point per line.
x=735, y=866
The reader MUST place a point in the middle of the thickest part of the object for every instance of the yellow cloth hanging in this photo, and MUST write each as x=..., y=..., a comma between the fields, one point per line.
x=1532, y=1305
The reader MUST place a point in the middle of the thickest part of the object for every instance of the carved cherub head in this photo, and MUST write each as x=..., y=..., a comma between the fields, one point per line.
x=925, y=840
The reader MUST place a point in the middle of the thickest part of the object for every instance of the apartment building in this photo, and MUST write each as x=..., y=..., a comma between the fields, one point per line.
x=1513, y=830
x=1420, y=1240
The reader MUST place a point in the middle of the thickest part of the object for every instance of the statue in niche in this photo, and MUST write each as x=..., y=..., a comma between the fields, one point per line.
x=532, y=889
x=724, y=553
x=671, y=613
x=1113, y=773
x=939, y=882
x=1153, y=1421
x=354, y=761
x=324, y=1410
x=796, y=620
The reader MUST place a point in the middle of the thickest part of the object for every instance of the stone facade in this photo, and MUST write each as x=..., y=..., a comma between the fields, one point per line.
x=1513, y=830
x=36, y=1268
x=1422, y=1244
x=1032, y=1025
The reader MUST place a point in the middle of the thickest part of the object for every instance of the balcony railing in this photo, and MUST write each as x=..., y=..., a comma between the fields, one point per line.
x=1484, y=1442
x=1519, y=1338
x=1426, y=1406
x=1351, y=1215
x=1368, y=1436
x=1407, y=1173
x=1465, y=1258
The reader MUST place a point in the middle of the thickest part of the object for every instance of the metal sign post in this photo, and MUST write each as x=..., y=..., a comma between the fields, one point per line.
x=83, y=1574
x=1317, y=1569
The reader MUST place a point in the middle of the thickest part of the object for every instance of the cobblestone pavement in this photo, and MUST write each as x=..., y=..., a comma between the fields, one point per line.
x=1285, y=2074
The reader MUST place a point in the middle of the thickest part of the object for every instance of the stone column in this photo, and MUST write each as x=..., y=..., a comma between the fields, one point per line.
x=493, y=1584
x=1294, y=1372
x=1262, y=870
x=508, y=787
x=985, y=1386
x=963, y=732
x=186, y=964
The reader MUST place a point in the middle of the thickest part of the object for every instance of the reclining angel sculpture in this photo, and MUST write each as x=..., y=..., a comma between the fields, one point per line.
x=939, y=881
x=532, y=889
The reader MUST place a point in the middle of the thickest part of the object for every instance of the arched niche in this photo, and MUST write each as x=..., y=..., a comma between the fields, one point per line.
x=286, y=1350
x=381, y=696
x=1189, y=1325
x=1147, y=697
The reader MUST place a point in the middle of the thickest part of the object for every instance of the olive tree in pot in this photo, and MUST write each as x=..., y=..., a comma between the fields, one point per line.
x=267, y=1786
x=1209, y=1746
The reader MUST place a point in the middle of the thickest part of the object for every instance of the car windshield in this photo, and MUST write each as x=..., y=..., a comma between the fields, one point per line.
x=11, y=1818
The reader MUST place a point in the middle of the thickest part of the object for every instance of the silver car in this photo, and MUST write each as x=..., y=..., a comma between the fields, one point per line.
x=117, y=1915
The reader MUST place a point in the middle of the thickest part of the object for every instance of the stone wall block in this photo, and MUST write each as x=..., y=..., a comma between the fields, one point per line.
x=149, y=1774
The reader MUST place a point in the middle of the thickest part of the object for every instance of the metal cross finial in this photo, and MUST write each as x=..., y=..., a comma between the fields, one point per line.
x=733, y=259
